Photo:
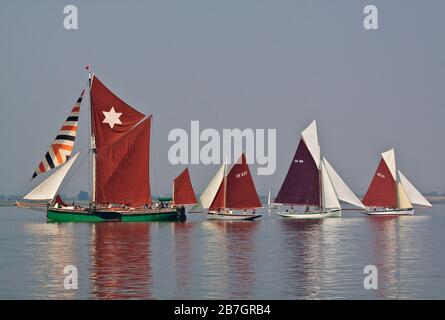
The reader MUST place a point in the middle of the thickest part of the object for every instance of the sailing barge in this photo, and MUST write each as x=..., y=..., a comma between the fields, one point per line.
x=390, y=193
x=120, y=157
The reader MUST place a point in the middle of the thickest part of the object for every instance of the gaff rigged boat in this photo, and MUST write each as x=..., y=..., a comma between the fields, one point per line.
x=230, y=194
x=120, y=151
x=389, y=194
x=183, y=193
x=311, y=181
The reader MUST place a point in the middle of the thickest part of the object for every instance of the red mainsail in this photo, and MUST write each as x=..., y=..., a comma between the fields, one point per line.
x=382, y=191
x=183, y=192
x=122, y=136
x=302, y=183
x=241, y=192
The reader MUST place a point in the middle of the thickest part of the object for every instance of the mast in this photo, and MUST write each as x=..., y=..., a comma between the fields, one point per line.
x=92, y=144
x=320, y=177
x=225, y=182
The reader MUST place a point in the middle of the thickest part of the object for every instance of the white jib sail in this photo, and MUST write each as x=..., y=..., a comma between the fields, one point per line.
x=310, y=138
x=344, y=193
x=329, y=197
x=402, y=199
x=48, y=188
x=209, y=193
x=414, y=196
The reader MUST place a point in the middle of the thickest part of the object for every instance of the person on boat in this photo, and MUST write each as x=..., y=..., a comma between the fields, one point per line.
x=307, y=209
x=244, y=211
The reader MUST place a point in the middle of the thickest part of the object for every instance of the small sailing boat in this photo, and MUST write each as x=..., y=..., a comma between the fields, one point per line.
x=231, y=191
x=390, y=193
x=270, y=203
x=312, y=181
x=183, y=193
x=120, y=152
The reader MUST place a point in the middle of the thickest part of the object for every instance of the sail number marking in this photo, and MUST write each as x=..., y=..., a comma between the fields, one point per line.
x=381, y=175
x=242, y=174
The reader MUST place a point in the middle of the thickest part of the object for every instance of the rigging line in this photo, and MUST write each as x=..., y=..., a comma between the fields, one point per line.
x=70, y=175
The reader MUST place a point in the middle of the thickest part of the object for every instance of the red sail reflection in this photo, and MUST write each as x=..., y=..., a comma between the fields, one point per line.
x=121, y=266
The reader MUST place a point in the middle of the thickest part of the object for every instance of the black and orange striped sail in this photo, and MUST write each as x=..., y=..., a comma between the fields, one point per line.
x=61, y=148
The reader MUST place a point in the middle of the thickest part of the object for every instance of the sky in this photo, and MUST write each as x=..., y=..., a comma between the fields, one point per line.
x=232, y=64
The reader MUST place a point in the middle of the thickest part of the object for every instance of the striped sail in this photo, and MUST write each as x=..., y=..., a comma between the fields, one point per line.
x=62, y=146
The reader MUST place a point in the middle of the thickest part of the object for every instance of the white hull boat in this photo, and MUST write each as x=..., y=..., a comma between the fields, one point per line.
x=389, y=212
x=230, y=216
x=390, y=193
x=311, y=214
x=312, y=182
x=230, y=195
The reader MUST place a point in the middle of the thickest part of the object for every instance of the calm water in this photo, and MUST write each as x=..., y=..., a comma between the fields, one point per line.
x=271, y=258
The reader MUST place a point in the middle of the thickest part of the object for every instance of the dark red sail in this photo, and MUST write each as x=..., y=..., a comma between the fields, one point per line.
x=241, y=192
x=302, y=183
x=382, y=191
x=183, y=192
x=122, y=136
x=219, y=201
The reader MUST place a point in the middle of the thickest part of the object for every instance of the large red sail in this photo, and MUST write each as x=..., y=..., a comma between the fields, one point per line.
x=302, y=183
x=183, y=192
x=122, y=136
x=382, y=191
x=241, y=192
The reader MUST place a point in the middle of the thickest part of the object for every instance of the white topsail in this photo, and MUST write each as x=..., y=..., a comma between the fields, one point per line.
x=310, y=138
x=390, y=159
x=341, y=189
x=329, y=197
x=210, y=192
x=414, y=196
x=49, y=187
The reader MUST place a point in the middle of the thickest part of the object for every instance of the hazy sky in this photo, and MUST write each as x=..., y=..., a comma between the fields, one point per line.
x=233, y=64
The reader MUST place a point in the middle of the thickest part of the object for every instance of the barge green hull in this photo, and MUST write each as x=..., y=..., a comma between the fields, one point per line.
x=98, y=216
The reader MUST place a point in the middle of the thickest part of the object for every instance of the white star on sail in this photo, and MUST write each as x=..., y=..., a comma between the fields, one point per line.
x=112, y=117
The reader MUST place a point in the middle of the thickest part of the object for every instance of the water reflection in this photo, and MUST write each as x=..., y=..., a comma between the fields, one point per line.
x=394, y=245
x=229, y=259
x=54, y=248
x=120, y=261
x=302, y=244
x=183, y=257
